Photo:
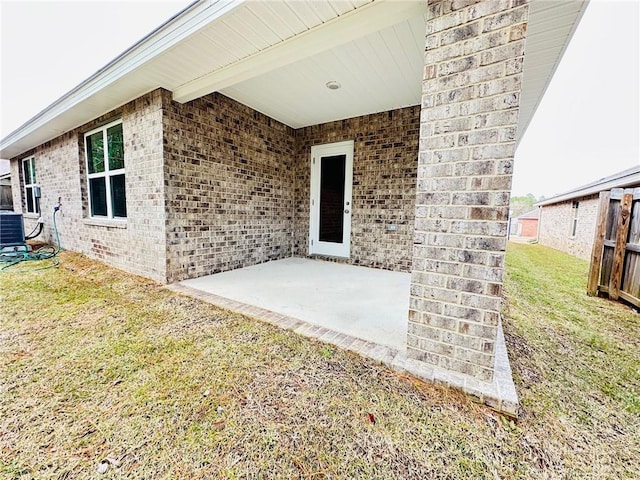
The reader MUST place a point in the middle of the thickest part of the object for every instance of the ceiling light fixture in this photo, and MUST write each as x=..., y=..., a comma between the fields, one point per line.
x=333, y=85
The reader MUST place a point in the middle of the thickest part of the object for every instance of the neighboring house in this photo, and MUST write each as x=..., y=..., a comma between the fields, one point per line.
x=568, y=220
x=380, y=133
x=528, y=224
x=6, y=197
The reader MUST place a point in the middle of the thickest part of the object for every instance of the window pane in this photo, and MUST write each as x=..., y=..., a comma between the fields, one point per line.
x=95, y=153
x=30, y=205
x=33, y=170
x=118, y=197
x=26, y=168
x=332, y=178
x=98, y=193
x=115, y=148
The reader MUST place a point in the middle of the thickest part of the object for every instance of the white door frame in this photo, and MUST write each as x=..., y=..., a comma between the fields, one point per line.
x=315, y=245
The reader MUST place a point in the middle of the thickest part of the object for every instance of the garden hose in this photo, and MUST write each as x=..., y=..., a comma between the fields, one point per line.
x=43, y=253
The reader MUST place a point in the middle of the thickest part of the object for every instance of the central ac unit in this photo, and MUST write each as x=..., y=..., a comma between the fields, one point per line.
x=11, y=229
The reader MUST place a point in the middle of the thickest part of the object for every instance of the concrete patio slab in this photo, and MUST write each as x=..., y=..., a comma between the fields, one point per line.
x=366, y=303
x=355, y=308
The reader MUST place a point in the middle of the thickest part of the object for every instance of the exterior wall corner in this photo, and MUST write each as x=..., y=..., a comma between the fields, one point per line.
x=471, y=93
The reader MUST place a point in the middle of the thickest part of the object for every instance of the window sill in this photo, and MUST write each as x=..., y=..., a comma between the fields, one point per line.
x=32, y=216
x=109, y=223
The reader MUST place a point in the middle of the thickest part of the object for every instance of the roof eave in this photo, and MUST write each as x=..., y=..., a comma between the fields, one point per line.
x=178, y=27
x=64, y=115
x=631, y=180
x=522, y=127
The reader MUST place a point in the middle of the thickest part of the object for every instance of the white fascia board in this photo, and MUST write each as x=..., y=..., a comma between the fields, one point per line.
x=343, y=29
x=627, y=181
x=176, y=29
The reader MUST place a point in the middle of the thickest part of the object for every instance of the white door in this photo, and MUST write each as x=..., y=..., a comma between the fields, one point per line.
x=331, y=178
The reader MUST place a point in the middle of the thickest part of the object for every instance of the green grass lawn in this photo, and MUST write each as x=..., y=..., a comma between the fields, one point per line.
x=100, y=366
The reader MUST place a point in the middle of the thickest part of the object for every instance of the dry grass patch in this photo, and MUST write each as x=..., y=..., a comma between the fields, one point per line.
x=104, y=370
x=576, y=365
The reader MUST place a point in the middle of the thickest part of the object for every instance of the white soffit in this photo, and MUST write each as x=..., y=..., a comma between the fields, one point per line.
x=549, y=31
x=205, y=37
x=367, y=19
x=381, y=71
x=277, y=56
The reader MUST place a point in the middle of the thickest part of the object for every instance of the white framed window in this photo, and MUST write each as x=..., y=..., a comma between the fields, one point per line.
x=574, y=218
x=104, y=151
x=31, y=188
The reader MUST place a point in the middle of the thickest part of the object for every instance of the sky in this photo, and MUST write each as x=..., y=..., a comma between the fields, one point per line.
x=588, y=123
x=49, y=47
x=586, y=127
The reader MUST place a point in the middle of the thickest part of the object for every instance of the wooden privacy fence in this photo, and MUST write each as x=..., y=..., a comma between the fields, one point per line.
x=615, y=260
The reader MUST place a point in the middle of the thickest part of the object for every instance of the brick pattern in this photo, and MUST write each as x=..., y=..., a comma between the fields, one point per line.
x=528, y=227
x=384, y=182
x=137, y=245
x=556, y=223
x=229, y=185
x=471, y=91
x=230, y=178
x=214, y=185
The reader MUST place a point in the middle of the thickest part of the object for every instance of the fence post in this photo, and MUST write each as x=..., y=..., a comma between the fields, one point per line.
x=621, y=245
x=598, y=244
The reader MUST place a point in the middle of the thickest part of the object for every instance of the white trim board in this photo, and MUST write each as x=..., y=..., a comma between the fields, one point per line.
x=317, y=247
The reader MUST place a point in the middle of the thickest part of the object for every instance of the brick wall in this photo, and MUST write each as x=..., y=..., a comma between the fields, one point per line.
x=556, y=226
x=528, y=227
x=236, y=187
x=471, y=92
x=229, y=185
x=136, y=245
x=384, y=181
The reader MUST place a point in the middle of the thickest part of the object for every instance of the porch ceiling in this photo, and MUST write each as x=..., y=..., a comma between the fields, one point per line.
x=278, y=56
x=378, y=72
